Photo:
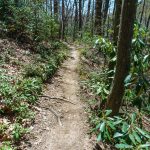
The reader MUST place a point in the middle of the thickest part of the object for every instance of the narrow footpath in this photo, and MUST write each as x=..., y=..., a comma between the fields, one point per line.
x=61, y=125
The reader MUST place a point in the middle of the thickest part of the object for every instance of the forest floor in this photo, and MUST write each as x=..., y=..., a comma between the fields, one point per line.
x=59, y=124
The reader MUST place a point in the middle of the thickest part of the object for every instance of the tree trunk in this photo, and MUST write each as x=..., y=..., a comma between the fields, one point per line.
x=142, y=12
x=114, y=8
x=148, y=21
x=47, y=6
x=80, y=15
x=105, y=10
x=118, y=4
x=51, y=8
x=123, y=55
x=56, y=9
x=63, y=20
x=108, y=25
x=88, y=11
x=92, y=19
x=75, y=20
x=105, y=16
x=98, y=17
x=116, y=24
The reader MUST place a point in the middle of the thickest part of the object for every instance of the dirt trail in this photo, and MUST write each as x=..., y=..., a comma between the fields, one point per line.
x=47, y=134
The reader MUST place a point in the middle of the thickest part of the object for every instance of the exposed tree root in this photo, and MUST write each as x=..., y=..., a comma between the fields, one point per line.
x=60, y=99
x=55, y=113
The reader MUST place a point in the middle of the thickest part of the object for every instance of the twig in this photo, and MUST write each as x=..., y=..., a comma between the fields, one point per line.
x=55, y=113
x=60, y=99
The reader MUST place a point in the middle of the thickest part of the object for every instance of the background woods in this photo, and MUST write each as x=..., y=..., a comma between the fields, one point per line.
x=103, y=14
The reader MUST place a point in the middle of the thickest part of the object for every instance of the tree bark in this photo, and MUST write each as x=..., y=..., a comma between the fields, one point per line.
x=105, y=10
x=80, y=15
x=75, y=20
x=108, y=25
x=142, y=12
x=118, y=5
x=51, y=8
x=56, y=9
x=47, y=6
x=123, y=55
x=114, y=7
x=92, y=18
x=88, y=11
x=116, y=25
x=63, y=20
x=98, y=17
x=148, y=21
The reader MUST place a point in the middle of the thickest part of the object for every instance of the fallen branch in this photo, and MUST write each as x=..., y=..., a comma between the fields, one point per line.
x=60, y=99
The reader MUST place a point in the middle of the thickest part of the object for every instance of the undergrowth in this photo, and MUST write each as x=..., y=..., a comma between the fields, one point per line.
x=19, y=93
x=127, y=130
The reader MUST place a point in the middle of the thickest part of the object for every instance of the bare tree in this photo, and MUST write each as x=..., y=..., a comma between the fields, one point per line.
x=105, y=10
x=46, y=3
x=92, y=18
x=63, y=20
x=56, y=8
x=142, y=12
x=75, y=19
x=80, y=15
x=148, y=21
x=88, y=11
x=51, y=8
x=98, y=16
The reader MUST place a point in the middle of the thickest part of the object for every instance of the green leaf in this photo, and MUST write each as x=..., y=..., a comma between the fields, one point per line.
x=133, y=117
x=137, y=137
x=123, y=146
x=96, y=42
x=102, y=127
x=111, y=125
x=117, y=122
x=135, y=58
x=108, y=134
x=145, y=58
x=144, y=133
x=117, y=134
x=111, y=119
x=106, y=91
x=99, y=138
x=132, y=138
x=113, y=59
x=144, y=145
x=98, y=126
x=141, y=42
x=125, y=127
x=99, y=90
x=128, y=79
x=133, y=41
x=16, y=136
x=108, y=112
